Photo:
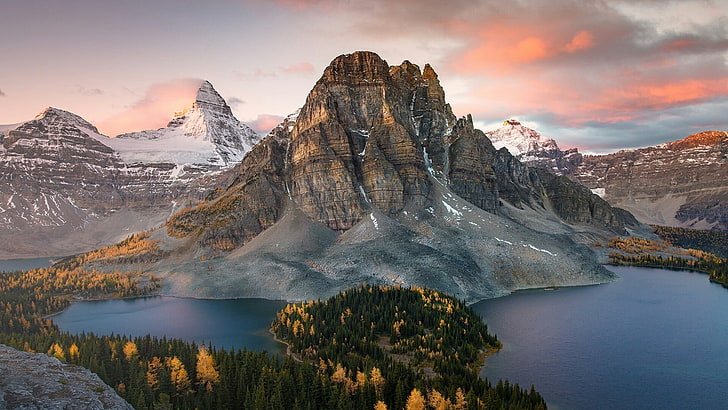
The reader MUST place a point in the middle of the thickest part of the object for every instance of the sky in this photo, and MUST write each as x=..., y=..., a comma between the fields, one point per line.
x=600, y=75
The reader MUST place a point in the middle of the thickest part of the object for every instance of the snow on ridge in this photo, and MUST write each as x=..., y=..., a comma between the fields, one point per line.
x=519, y=139
x=205, y=133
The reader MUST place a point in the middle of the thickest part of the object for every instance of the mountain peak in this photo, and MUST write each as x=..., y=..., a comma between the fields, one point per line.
x=52, y=115
x=205, y=132
x=207, y=94
x=358, y=67
x=520, y=140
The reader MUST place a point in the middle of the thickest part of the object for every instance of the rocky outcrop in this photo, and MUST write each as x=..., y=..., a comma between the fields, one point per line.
x=36, y=381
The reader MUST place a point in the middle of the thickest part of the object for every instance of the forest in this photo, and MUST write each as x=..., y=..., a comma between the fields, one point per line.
x=660, y=254
x=429, y=357
x=714, y=242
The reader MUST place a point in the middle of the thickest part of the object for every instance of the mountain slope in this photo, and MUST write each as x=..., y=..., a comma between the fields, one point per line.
x=65, y=188
x=204, y=133
x=376, y=180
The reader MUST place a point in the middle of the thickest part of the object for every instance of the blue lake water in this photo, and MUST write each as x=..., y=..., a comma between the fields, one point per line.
x=228, y=323
x=657, y=339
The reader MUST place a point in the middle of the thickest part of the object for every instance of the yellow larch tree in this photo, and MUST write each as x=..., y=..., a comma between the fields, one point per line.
x=207, y=375
x=415, y=401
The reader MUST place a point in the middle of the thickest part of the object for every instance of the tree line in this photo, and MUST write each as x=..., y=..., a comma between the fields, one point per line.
x=634, y=252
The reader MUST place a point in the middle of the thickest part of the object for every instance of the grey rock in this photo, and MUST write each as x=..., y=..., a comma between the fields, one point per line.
x=36, y=381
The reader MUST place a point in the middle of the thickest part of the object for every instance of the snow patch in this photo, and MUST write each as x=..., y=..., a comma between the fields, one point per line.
x=599, y=191
x=451, y=209
x=538, y=249
x=374, y=221
x=502, y=240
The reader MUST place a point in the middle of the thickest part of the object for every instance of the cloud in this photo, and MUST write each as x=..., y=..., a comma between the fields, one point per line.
x=303, y=67
x=256, y=74
x=89, y=92
x=155, y=109
x=265, y=122
x=575, y=64
x=2, y=94
x=234, y=102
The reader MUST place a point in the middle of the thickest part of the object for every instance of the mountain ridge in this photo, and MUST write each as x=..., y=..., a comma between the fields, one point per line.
x=678, y=183
x=66, y=189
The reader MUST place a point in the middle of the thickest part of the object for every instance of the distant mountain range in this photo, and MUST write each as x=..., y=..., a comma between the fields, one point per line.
x=680, y=183
x=65, y=188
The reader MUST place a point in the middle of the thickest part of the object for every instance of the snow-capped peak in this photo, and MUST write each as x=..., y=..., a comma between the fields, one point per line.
x=520, y=140
x=52, y=115
x=206, y=132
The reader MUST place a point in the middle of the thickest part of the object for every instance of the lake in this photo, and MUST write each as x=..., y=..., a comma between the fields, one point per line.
x=655, y=339
x=226, y=323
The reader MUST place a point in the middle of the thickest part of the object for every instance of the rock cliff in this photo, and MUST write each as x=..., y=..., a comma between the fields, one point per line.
x=36, y=381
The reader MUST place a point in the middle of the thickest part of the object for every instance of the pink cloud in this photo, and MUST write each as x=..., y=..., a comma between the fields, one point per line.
x=583, y=40
x=265, y=122
x=155, y=109
x=303, y=67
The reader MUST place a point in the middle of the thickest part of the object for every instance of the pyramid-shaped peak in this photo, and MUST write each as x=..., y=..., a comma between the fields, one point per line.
x=207, y=94
x=428, y=72
x=56, y=115
x=511, y=122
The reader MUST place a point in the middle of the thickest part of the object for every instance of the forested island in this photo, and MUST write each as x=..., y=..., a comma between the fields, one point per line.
x=370, y=346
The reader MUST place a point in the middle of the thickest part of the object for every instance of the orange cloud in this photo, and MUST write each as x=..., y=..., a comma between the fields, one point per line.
x=581, y=41
x=155, y=109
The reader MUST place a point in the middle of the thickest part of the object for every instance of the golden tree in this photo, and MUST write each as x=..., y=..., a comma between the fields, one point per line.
x=178, y=374
x=415, y=401
x=130, y=350
x=207, y=375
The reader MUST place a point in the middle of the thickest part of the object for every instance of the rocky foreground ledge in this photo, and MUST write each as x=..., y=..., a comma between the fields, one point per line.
x=37, y=381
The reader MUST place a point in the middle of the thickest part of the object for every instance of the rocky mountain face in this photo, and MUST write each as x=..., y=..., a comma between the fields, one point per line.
x=681, y=183
x=376, y=180
x=36, y=381
x=65, y=188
